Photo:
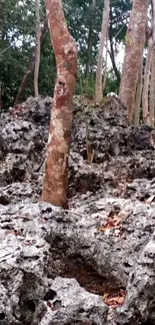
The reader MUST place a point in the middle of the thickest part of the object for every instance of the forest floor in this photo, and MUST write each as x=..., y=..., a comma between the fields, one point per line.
x=105, y=241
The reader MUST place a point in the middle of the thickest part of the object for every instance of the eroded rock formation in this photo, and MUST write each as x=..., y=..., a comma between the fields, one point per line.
x=57, y=266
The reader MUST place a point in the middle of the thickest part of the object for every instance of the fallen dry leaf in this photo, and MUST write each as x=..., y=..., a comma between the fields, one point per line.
x=114, y=301
x=112, y=223
x=14, y=232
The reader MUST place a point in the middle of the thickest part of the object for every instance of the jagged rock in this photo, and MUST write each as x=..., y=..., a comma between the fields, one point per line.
x=18, y=192
x=24, y=133
x=56, y=264
x=40, y=242
x=73, y=305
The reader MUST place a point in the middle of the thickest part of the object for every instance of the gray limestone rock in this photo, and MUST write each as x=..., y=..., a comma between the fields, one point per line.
x=56, y=266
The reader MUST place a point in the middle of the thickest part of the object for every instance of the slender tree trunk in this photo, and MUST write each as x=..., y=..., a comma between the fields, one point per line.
x=90, y=34
x=1, y=19
x=37, y=56
x=152, y=83
x=139, y=91
x=145, y=96
x=112, y=55
x=153, y=20
x=105, y=21
x=1, y=32
x=105, y=69
x=134, y=40
x=55, y=185
x=1, y=104
x=152, y=91
x=27, y=75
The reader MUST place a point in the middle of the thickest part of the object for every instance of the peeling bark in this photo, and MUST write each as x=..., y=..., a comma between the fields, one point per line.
x=55, y=185
x=25, y=80
x=134, y=40
x=105, y=21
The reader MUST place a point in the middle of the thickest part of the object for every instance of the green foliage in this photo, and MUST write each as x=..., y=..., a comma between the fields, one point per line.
x=17, y=26
x=112, y=84
x=86, y=86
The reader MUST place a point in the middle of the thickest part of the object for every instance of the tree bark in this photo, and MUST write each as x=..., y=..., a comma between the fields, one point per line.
x=152, y=83
x=55, y=185
x=139, y=91
x=105, y=21
x=145, y=96
x=1, y=20
x=20, y=95
x=37, y=56
x=105, y=68
x=134, y=40
x=90, y=34
x=152, y=91
x=112, y=55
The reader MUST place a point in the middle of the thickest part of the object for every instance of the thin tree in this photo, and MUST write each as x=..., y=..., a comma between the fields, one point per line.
x=139, y=91
x=152, y=91
x=152, y=82
x=104, y=33
x=25, y=80
x=112, y=53
x=106, y=64
x=145, y=95
x=55, y=185
x=37, y=56
x=134, y=40
x=90, y=35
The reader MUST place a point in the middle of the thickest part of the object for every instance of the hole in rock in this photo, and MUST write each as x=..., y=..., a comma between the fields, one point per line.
x=4, y=200
x=126, y=264
x=114, y=211
x=2, y=316
x=144, y=197
x=81, y=310
x=30, y=305
x=57, y=304
x=148, y=322
x=88, y=278
x=50, y=295
x=92, y=123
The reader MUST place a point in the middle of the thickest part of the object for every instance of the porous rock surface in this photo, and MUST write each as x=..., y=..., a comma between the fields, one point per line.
x=57, y=266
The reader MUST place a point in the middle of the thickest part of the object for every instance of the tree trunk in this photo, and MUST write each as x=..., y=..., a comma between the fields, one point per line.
x=26, y=78
x=105, y=68
x=1, y=20
x=134, y=40
x=105, y=21
x=139, y=91
x=152, y=83
x=145, y=96
x=152, y=91
x=112, y=55
x=55, y=185
x=90, y=34
x=37, y=56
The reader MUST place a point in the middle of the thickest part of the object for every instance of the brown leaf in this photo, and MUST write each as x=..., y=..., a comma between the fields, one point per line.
x=112, y=223
x=14, y=232
x=115, y=301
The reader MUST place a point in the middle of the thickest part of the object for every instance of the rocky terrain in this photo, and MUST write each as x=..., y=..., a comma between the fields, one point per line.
x=93, y=264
